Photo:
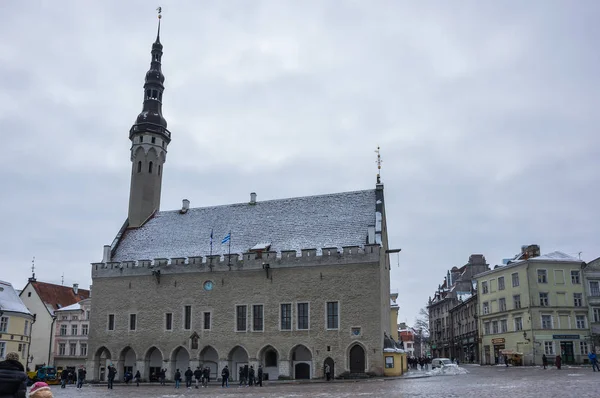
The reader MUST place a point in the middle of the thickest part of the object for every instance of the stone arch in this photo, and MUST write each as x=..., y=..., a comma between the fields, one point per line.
x=102, y=358
x=269, y=357
x=329, y=361
x=127, y=361
x=356, y=357
x=237, y=357
x=153, y=362
x=152, y=155
x=180, y=359
x=301, y=360
x=209, y=356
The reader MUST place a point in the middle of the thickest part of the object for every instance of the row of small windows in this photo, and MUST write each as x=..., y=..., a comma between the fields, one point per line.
x=150, y=167
x=152, y=140
x=241, y=318
x=542, y=277
x=153, y=94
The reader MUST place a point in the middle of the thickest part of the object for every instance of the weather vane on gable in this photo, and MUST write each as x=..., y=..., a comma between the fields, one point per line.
x=159, y=9
x=379, y=161
x=33, y=268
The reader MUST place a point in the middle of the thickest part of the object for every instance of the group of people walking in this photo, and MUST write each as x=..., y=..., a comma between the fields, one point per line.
x=201, y=376
x=416, y=362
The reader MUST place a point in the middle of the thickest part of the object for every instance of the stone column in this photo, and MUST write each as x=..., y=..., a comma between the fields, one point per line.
x=284, y=368
x=92, y=370
x=170, y=370
x=141, y=366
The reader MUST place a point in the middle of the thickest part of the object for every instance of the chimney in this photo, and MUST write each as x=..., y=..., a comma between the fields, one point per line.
x=75, y=288
x=185, y=206
x=253, y=198
x=106, y=254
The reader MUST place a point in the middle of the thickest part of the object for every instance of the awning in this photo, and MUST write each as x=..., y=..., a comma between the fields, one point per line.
x=510, y=352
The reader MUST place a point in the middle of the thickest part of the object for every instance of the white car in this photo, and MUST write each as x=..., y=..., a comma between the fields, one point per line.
x=441, y=363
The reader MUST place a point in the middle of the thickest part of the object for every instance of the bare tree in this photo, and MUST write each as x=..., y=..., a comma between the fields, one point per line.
x=422, y=321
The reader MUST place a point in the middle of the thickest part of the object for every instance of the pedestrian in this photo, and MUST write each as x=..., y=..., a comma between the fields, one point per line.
x=251, y=376
x=506, y=360
x=38, y=390
x=205, y=376
x=81, y=372
x=13, y=379
x=544, y=361
x=241, y=376
x=327, y=372
x=198, y=375
x=112, y=372
x=177, y=378
x=64, y=376
x=161, y=376
x=137, y=378
x=189, y=373
x=260, y=375
x=557, y=361
x=593, y=360
x=225, y=377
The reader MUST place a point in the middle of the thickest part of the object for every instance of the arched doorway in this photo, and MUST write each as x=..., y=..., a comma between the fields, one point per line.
x=357, y=359
x=238, y=357
x=153, y=364
x=102, y=359
x=209, y=357
x=301, y=362
x=180, y=358
x=268, y=357
x=127, y=361
x=329, y=361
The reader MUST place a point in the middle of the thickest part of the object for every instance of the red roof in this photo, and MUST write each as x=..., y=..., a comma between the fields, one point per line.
x=406, y=336
x=58, y=296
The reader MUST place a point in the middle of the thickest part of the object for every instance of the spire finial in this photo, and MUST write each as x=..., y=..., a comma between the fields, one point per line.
x=32, y=269
x=379, y=161
x=62, y=279
x=159, y=10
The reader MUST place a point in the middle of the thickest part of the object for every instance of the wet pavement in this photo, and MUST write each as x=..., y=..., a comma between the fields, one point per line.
x=470, y=382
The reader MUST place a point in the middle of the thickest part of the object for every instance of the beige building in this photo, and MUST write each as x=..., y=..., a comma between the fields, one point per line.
x=531, y=307
x=15, y=323
x=71, y=335
x=591, y=279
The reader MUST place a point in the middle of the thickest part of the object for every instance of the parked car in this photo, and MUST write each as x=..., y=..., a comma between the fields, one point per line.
x=441, y=363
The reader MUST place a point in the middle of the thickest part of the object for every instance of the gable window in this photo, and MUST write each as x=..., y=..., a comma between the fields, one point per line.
x=168, y=321
x=257, y=318
x=302, y=316
x=515, y=279
x=332, y=315
x=542, y=276
x=595, y=288
x=575, y=278
x=502, y=304
x=74, y=330
x=517, y=301
x=546, y=321
x=484, y=287
x=501, y=283
x=63, y=330
x=240, y=312
x=544, y=300
x=518, y=324
x=4, y=324
x=286, y=317
x=578, y=299
x=187, y=317
x=206, y=325
x=111, y=322
x=132, y=321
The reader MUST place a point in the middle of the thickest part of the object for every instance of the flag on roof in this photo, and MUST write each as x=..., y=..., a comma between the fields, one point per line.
x=227, y=238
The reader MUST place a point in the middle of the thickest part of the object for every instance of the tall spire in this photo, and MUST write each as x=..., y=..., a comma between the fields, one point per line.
x=379, y=161
x=159, y=9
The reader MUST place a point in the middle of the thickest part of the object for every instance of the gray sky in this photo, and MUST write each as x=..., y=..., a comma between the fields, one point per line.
x=486, y=113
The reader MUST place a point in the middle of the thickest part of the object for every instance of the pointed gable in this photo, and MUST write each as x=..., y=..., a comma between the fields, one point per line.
x=57, y=296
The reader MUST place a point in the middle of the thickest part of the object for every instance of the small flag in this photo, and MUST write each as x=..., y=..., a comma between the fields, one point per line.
x=211, y=236
x=226, y=238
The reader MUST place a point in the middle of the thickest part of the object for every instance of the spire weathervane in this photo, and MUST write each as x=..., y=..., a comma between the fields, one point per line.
x=379, y=161
x=33, y=269
x=159, y=10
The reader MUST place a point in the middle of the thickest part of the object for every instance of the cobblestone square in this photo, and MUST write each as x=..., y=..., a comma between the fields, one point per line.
x=489, y=382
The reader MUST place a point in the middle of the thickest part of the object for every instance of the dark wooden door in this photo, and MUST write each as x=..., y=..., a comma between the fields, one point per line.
x=302, y=371
x=357, y=359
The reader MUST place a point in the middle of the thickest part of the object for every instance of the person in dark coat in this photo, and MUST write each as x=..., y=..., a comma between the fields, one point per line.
x=81, y=372
x=198, y=375
x=189, y=373
x=558, y=361
x=177, y=378
x=225, y=377
x=205, y=376
x=260, y=376
x=13, y=379
x=544, y=361
x=64, y=376
x=137, y=378
x=251, y=376
x=112, y=372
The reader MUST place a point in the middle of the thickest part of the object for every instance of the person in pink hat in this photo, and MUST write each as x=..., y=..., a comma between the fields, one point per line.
x=40, y=390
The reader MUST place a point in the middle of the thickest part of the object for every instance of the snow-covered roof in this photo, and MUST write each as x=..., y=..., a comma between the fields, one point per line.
x=71, y=307
x=9, y=299
x=333, y=220
x=463, y=296
x=556, y=256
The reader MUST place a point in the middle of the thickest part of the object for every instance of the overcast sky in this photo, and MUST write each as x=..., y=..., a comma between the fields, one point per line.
x=487, y=115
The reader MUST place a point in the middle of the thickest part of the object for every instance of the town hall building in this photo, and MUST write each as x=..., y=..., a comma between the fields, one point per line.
x=304, y=283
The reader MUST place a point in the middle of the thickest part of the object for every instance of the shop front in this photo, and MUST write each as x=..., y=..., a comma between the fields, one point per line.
x=499, y=345
x=567, y=351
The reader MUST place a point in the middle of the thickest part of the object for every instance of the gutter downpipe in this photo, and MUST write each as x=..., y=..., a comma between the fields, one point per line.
x=29, y=345
x=530, y=314
x=50, y=343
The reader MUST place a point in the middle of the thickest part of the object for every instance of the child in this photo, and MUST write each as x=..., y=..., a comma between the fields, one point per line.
x=40, y=390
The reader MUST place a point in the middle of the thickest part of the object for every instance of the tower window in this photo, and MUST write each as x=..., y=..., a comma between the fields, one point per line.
x=139, y=167
x=163, y=144
x=141, y=138
x=159, y=169
x=147, y=93
x=154, y=140
x=150, y=167
x=160, y=96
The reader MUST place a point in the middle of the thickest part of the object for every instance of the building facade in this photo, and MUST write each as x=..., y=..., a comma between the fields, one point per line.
x=591, y=278
x=71, y=335
x=532, y=307
x=465, y=339
x=292, y=284
x=15, y=323
x=43, y=299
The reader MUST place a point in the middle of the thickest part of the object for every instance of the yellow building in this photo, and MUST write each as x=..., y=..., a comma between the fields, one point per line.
x=533, y=306
x=394, y=357
x=15, y=323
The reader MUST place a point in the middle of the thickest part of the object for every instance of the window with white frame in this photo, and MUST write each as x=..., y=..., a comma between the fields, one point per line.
x=257, y=318
x=286, y=316
x=583, y=347
x=74, y=330
x=332, y=315
x=62, y=348
x=3, y=324
x=549, y=347
x=73, y=349
x=542, y=276
x=486, y=308
x=596, y=312
x=302, y=316
x=486, y=328
x=580, y=321
x=503, y=326
x=518, y=324
x=75, y=317
x=494, y=327
x=517, y=301
x=515, y=279
x=84, y=330
x=502, y=304
x=240, y=318
x=578, y=299
x=544, y=299
x=546, y=321
x=575, y=278
x=26, y=328
x=63, y=330
x=484, y=287
x=501, y=283
x=83, y=349
x=2, y=349
x=595, y=288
